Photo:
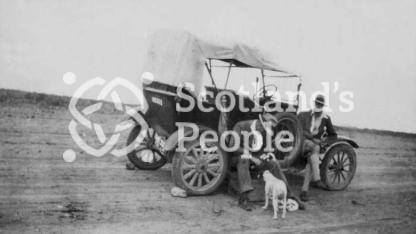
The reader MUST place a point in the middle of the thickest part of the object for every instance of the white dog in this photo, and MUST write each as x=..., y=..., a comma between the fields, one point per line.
x=274, y=189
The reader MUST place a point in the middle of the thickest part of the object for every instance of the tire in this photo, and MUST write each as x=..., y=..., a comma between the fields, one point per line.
x=136, y=155
x=338, y=167
x=199, y=169
x=289, y=121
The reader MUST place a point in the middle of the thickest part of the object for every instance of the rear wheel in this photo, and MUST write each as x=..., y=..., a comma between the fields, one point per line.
x=145, y=156
x=199, y=171
x=338, y=167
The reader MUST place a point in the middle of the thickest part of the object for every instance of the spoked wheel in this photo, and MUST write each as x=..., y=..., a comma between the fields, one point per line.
x=145, y=156
x=338, y=167
x=199, y=171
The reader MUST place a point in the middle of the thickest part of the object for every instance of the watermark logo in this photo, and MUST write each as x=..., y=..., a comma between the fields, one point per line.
x=80, y=117
x=224, y=101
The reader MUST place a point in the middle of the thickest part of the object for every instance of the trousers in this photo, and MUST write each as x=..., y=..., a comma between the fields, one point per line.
x=311, y=151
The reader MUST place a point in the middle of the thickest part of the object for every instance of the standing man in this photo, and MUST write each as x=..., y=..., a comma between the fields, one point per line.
x=263, y=126
x=315, y=123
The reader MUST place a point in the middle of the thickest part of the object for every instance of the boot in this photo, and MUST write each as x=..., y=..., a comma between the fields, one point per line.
x=318, y=184
x=244, y=203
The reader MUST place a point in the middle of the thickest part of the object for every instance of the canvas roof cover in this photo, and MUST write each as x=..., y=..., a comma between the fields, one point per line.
x=175, y=57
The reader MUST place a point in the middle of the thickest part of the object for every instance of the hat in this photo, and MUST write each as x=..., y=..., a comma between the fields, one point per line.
x=270, y=117
x=320, y=99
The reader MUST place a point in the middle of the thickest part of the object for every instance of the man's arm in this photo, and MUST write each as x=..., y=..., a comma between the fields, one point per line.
x=330, y=128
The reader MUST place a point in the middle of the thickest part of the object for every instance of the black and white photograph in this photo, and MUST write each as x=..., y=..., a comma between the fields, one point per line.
x=207, y=116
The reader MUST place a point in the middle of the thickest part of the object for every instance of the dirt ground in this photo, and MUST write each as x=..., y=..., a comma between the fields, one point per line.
x=41, y=193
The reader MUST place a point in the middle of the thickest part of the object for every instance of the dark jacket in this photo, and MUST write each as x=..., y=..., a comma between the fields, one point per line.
x=305, y=119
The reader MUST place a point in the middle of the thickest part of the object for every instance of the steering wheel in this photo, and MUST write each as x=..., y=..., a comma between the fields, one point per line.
x=265, y=89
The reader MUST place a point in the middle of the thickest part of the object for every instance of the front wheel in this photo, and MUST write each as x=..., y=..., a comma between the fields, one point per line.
x=199, y=171
x=338, y=167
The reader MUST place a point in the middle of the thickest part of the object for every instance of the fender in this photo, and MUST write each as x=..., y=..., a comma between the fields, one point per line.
x=173, y=139
x=131, y=116
x=333, y=141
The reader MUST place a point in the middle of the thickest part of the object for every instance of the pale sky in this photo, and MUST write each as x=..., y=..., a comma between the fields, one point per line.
x=369, y=47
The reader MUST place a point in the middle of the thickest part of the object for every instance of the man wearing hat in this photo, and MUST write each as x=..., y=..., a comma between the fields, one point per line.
x=260, y=128
x=316, y=123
